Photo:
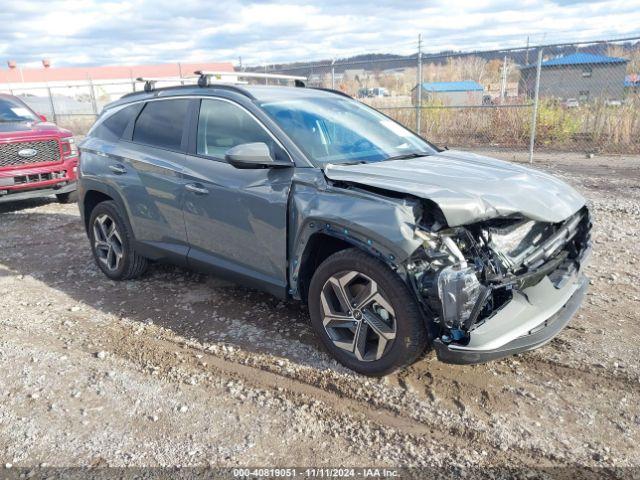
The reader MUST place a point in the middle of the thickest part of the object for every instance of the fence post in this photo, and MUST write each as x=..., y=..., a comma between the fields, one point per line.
x=534, y=113
x=53, y=108
x=333, y=74
x=94, y=102
x=419, y=86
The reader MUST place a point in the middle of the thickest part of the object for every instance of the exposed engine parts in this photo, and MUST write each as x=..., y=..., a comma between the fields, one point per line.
x=465, y=274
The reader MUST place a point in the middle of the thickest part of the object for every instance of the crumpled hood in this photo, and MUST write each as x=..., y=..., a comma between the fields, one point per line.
x=469, y=187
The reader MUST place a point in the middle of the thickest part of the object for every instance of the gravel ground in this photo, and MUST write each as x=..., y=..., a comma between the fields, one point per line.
x=181, y=369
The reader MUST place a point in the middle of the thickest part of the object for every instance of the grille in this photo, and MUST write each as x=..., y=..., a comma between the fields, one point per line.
x=47, y=151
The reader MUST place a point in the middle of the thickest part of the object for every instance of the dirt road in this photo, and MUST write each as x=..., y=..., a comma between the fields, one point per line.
x=182, y=369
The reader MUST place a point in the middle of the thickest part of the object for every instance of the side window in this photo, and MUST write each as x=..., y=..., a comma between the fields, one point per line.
x=161, y=123
x=114, y=126
x=223, y=125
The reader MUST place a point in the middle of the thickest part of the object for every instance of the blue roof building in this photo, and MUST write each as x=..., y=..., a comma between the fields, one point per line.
x=463, y=93
x=464, y=86
x=580, y=76
x=580, y=58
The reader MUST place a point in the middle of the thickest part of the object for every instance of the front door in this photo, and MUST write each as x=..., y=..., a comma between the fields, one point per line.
x=236, y=219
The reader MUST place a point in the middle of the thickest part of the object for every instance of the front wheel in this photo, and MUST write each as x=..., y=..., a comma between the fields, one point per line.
x=365, y=315
x=111, y=243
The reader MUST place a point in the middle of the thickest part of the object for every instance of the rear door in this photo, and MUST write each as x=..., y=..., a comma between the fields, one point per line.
x=148, y=173
x=236, y=218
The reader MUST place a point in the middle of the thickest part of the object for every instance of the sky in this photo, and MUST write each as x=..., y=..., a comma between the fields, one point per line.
x=97, y=32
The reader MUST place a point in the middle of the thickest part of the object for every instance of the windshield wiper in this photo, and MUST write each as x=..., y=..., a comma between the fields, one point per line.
x=354, y=162
x=405, y=156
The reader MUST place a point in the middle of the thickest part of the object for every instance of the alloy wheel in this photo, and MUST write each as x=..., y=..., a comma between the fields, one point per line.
x=107, y=242
x=356, y=315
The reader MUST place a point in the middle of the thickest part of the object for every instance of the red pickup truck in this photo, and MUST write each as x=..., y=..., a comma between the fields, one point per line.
x=37, y=158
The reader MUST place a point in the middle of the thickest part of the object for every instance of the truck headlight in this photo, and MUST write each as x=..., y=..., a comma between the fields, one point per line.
x=69, y=147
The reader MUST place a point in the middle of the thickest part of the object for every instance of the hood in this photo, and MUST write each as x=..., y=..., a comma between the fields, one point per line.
x=469, y=187
x=28, y=130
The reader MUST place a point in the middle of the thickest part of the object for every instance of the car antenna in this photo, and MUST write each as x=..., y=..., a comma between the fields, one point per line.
x=205, y=77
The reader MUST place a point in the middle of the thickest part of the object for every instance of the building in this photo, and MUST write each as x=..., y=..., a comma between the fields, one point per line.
x=56, y=91
x=580, y=76
x=395, y=72
x=463, y=93
x=64, y=76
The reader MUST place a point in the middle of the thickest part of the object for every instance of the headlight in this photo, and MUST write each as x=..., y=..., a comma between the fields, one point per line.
x=69, y=147
x=459, y=291
x=514, y=242
x=456, y=283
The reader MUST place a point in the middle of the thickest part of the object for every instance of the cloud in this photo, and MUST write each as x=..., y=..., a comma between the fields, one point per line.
x=98, y=32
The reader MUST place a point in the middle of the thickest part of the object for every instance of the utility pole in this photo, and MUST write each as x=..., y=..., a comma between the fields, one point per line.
x=92, y=92
x=503, y=87
x=419, y=86
x=180, y=73
x=534, y=114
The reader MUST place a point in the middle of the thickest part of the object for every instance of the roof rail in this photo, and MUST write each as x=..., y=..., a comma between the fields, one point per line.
x=333, y=90
x=150, y=83
x=206, y=75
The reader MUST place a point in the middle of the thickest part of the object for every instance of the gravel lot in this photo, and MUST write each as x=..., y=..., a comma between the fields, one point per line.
x=183, y=369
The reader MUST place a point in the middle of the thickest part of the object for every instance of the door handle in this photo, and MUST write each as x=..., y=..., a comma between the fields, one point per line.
x=117, y=169
x=196, y=188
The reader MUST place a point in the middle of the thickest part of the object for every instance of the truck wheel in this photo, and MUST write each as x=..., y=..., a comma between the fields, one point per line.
x=112, y=245
x=365, y=315
x=69, y=197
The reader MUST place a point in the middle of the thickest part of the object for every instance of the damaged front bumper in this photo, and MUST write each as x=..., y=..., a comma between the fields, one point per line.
x=532, y=318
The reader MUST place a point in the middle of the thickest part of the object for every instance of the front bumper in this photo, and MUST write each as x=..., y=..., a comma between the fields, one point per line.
x=24, y=182
x=531, y=319
x=17, y=195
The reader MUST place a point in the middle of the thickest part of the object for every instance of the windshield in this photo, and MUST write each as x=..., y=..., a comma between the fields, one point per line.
x=340, y=130
x=15, y=111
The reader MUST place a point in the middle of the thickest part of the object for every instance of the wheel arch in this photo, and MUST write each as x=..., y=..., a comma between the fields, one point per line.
x=318, y=248
x=324, y=240
x=94, y=193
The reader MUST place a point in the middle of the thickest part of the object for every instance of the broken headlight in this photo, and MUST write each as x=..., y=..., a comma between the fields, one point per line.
x=459, y=291
x=512, y=243
x=451, y=279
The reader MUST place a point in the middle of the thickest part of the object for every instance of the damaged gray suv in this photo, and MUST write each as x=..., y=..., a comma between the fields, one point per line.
x=397, y=246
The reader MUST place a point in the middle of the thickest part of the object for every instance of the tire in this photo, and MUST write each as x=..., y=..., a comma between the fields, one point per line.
x=69, y=197
x=112, y=249
x=394, y=330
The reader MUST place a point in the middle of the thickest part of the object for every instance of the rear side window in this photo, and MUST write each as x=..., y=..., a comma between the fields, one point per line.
x=161, y=123
x=113, y=127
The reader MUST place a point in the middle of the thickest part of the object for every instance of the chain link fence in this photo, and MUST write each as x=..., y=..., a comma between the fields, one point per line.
x=74, y=106
x=566, y=97
x=582, y=97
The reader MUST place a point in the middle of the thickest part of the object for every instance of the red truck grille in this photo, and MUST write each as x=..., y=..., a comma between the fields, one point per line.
x=27, y=153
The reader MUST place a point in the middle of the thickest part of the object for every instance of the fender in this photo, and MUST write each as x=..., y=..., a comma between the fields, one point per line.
x=381, y=226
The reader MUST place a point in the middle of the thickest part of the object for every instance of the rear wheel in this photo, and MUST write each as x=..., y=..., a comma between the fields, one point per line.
x=69, y=197
x=112, y=245
x=364, y=314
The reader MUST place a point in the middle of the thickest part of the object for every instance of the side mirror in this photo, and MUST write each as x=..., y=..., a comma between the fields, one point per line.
x=253, y=155
x=42, y=117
